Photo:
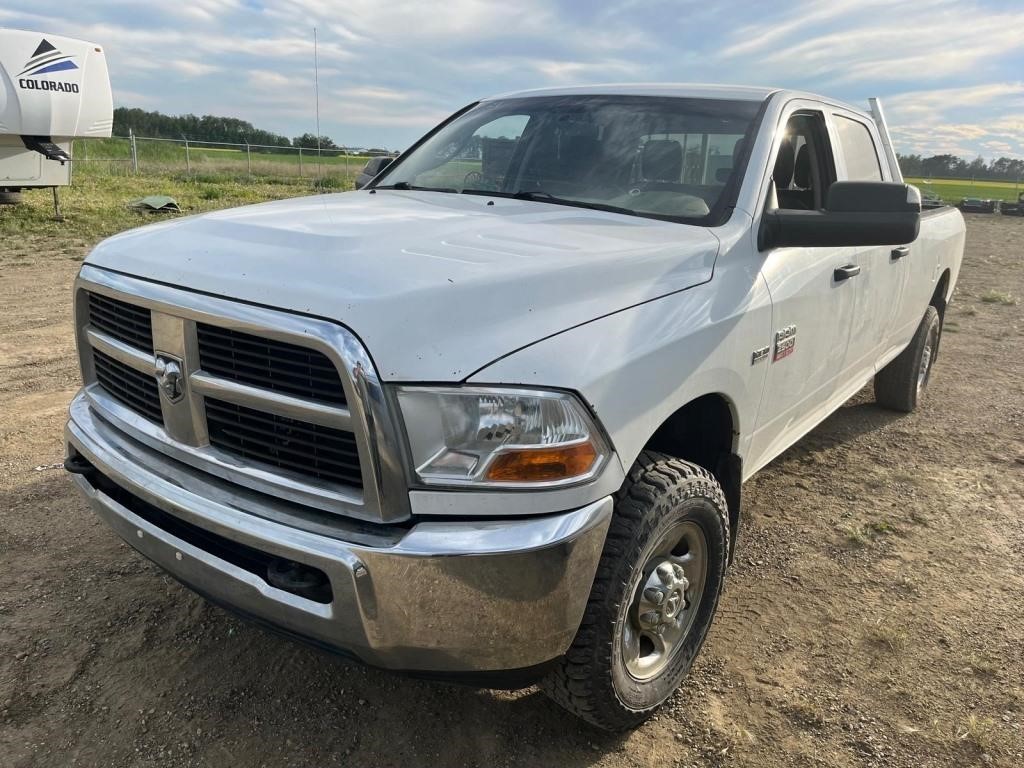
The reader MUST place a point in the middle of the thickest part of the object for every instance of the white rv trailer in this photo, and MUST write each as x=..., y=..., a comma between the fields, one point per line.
x=52, y=89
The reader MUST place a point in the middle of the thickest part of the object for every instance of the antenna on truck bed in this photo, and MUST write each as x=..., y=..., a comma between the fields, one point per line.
x=875, y=108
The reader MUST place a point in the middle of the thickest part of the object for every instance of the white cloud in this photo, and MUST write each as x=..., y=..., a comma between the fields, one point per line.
x=947, y=69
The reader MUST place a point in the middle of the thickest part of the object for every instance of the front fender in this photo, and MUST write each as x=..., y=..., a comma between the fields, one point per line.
x=635, y=368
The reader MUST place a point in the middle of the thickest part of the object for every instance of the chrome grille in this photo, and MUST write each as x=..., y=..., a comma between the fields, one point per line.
x=264, y=399
x=134, y=389
x=320, y=452
x=270, y=364
x=125, y=322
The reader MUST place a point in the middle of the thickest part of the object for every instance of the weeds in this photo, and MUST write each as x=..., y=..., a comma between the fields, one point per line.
x=977, y=731
x=1005, y=298
x=893, y=638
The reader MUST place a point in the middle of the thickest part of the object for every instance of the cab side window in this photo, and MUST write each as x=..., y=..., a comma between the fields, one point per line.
x=857, y=150
x=803, y=168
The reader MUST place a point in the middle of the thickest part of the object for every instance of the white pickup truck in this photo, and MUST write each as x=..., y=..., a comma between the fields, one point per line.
x=489, y=418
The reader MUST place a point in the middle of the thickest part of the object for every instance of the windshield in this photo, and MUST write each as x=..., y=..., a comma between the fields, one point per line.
x=661, y=157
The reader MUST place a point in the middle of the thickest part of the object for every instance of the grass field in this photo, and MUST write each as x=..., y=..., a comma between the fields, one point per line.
x=953, y=190
x=96, y=203
x=114, y=156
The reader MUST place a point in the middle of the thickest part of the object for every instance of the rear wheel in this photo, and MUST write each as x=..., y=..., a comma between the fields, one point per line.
x=901, y=384
x=9, y=198
x=654, y=596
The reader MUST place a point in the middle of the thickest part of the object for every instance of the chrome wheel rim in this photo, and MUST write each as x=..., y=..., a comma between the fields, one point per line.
x=665, y=601
x=926, y=358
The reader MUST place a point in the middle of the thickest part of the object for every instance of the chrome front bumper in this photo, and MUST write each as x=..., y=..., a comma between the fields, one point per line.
x=441, y=597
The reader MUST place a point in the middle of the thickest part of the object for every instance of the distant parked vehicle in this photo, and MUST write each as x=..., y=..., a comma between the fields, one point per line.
x=373, y=167
x=1014, y=209
x=977, y=205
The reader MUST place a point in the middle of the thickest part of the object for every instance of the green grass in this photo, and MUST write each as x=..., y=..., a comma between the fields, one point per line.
x=953, y=190
x=96, y=204
x=113, y=156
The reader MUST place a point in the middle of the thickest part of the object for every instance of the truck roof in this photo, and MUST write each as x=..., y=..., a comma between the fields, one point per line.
x=677, y=90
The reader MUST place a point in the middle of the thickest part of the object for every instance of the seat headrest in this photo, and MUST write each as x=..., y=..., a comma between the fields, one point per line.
x=784, y=164
x=662, y=160
x=802, y=168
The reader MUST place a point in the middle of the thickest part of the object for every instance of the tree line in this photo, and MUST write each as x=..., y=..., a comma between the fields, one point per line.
x=953, y=167
x=228, y=130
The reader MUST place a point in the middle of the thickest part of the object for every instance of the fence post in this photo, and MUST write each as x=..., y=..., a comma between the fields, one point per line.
x=300, y=161
x=248, y=159
x=135, y=153
x=188, y=158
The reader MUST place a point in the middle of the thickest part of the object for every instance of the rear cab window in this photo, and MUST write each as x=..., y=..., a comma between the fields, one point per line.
x=857, y=150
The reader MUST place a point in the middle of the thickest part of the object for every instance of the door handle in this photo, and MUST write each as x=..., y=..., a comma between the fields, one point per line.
x=898, y=253
x=845, y=272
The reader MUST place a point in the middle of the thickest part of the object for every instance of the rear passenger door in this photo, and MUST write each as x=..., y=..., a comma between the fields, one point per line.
x=882, y=279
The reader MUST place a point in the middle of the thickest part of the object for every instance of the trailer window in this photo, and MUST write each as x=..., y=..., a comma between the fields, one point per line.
x=857, y=150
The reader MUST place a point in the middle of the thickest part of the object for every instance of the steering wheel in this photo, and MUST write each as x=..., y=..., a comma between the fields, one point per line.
x=473, y=179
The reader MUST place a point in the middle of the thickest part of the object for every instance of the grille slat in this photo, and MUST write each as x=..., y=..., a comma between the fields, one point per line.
x=322, y=453
x=265, y=423
x=270, y=364
x=125, y=322
x=135, y=390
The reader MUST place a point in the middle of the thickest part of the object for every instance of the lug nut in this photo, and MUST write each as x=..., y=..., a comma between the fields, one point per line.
x=654, y=595
x=650, y=619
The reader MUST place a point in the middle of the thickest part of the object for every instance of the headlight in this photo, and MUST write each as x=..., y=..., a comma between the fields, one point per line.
x=490, y=436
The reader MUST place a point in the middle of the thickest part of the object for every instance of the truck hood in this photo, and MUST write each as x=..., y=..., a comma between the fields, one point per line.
x=436, y=285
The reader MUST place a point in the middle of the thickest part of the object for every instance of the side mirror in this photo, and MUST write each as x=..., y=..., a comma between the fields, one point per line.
x=383, y=163
x=856, y=213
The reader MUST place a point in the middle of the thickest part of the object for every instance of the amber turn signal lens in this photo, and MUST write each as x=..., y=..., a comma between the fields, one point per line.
x=534, y=465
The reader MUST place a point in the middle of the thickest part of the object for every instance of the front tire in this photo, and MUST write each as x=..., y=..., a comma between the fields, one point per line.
x=901, y=384
x=654, y=596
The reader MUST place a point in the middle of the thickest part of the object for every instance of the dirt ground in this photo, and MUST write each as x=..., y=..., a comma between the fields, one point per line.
x=873, y=616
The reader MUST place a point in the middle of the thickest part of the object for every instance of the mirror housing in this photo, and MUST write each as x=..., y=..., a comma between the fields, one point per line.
x=856, y=213
x=383, y=164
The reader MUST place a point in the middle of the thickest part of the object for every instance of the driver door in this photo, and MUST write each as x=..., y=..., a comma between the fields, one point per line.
x=812, y=311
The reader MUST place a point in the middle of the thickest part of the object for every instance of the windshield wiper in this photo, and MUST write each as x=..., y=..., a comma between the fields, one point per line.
x=406, y=186
x=540, y=196
x=546, y=197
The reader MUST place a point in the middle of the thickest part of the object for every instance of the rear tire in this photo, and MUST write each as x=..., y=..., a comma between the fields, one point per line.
x=901, y=384
x=654, y=596
x=10, y=198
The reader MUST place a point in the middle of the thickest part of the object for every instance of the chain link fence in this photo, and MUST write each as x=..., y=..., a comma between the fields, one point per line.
x=123, y=155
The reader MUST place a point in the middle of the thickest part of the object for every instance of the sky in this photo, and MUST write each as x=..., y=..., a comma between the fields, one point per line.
x=950, y=72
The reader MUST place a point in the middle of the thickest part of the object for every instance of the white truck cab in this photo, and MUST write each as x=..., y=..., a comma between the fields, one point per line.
x=489, y=418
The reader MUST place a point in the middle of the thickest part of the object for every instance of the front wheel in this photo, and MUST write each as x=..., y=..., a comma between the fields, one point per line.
x=654, y=595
